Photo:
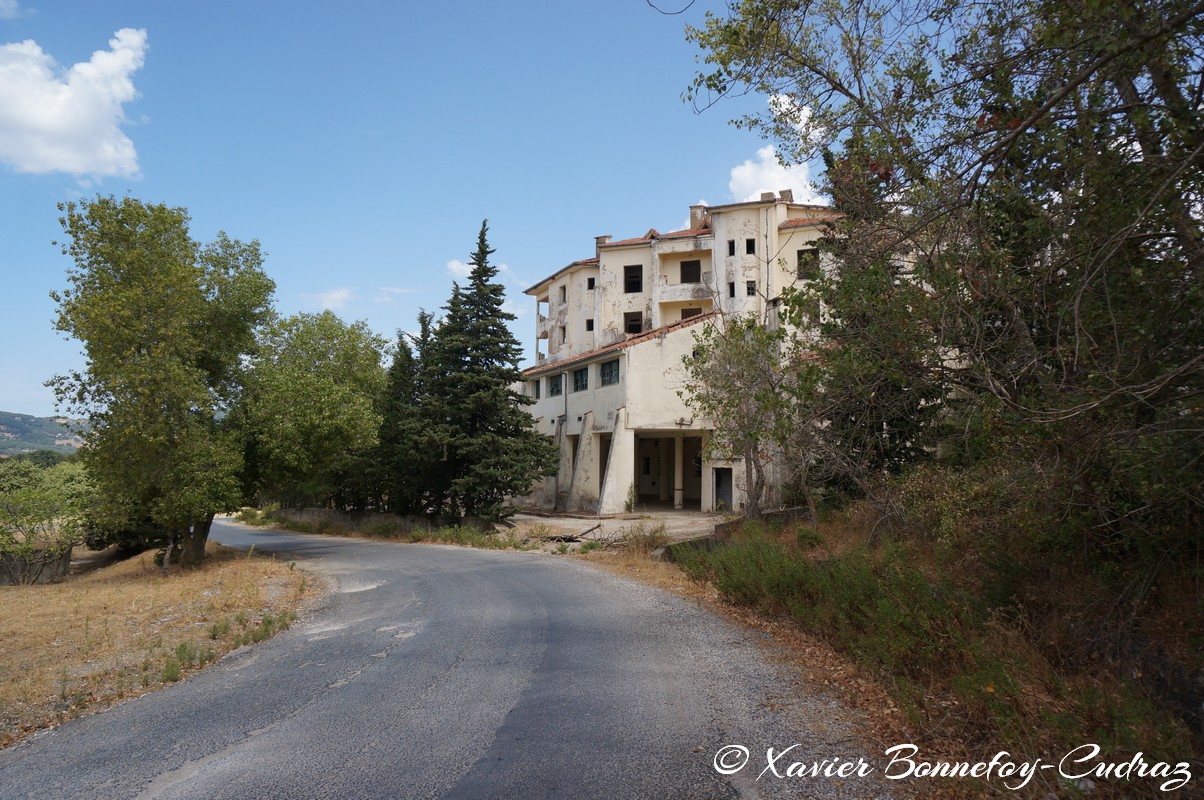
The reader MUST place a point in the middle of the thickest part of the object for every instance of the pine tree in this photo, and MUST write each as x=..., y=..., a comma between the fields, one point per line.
x=490, y=449
x=410, y=461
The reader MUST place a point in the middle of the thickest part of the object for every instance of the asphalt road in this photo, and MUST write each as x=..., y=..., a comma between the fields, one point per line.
x=438, y=671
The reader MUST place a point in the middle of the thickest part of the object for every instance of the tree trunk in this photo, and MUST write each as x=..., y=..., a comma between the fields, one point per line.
x=812, y=511
x=192, y=542
x=754, y=483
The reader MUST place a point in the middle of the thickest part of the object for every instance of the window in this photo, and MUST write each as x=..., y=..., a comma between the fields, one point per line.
x=633, y=322
x=731, y=247
x=555, y=386
x=633, y=279
x=564, y=334
x=691, y=271
x=581, y=379
x=563, y=294
x=589, y=325
x=686, y=313
x=808, y=264
x=731, y=289
x=535, y=388
x=590, y=283
x=608, y=373
x=750, y=246
x=750, y=288
x=646, y=465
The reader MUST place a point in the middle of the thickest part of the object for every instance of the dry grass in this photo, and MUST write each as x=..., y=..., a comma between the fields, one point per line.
x=81, y=645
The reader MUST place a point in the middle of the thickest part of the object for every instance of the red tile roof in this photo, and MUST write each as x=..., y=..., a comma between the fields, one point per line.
x=614, y=347
x=815, y=219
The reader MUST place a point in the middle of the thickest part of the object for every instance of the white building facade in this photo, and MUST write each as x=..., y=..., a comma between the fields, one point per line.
x=611, y=333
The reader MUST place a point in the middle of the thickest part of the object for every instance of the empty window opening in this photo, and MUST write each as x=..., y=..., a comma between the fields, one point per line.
x=633, y=322
x=633, y=279
x=589, y=324
x=750, y=246
x=691, y=271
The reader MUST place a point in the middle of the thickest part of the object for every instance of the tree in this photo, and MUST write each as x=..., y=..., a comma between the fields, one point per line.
x=312, y=411
x=1037, y=165
x=165, y=323
x=410, y=467
x=736, y=379
x=42, y=510
x=480, y=426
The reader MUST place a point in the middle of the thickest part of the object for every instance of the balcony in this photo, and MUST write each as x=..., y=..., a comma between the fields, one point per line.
x=684, y=292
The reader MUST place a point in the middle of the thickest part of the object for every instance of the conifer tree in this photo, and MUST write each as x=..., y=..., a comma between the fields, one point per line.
x=406, y=461
x=488, y=446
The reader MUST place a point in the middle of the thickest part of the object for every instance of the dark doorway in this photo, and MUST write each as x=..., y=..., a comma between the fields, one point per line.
x=723, y=488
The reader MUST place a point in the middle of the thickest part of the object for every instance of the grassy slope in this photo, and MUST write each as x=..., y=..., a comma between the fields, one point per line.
x=80, y=645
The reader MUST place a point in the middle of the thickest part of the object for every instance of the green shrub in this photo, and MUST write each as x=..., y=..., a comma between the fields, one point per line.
x=807, y=538
x=641, y=538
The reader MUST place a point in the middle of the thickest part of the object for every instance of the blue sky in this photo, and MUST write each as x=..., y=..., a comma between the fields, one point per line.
x=361, y=143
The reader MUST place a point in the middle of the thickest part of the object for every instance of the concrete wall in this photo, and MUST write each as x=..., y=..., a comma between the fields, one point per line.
x=605, y=432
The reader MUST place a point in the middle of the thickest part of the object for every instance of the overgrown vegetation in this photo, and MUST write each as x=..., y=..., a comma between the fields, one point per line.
x=1001, y=362
x=967, y=671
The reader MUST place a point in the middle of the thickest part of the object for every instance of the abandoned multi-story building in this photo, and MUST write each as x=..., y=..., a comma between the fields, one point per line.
x=611, y=332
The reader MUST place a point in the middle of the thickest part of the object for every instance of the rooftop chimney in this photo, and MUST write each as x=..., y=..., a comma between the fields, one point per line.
x=767, y=197
x=787, y=195
x=697, y=216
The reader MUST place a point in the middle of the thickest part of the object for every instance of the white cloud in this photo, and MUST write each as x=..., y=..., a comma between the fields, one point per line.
x=10, y=9
x=332, y=299
x=458, y=269
x=767, y=174
x=387, y=294
x=56, y=121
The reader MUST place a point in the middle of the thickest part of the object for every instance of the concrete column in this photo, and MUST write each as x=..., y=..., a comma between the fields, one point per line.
x=679, y=478
x=664, y=481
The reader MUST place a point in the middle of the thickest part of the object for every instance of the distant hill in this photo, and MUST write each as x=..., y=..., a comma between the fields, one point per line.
x=22, y=433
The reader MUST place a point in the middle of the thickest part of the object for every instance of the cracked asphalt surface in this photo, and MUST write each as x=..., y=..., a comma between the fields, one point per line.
x=444, y=672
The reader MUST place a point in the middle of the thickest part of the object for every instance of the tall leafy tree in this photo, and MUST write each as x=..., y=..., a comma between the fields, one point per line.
x=736, y=380
x=165, y=323
x=1037, y=166
x=313, y=410
x=488, y=446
